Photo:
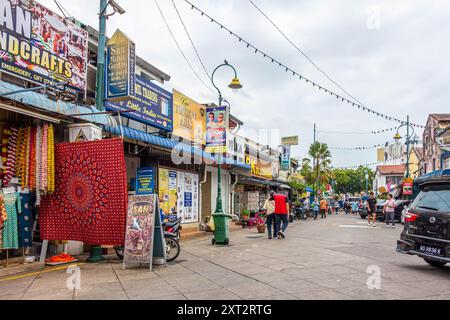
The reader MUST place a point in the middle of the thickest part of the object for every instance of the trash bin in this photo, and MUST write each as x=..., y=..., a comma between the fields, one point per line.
x=222, y=230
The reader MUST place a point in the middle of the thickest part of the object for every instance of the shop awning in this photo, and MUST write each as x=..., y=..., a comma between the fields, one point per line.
x=255, y=180
x=167, y=143
x=42, y=102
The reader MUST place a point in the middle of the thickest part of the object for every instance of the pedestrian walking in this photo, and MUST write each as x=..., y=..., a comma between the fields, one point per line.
x=281, y=214
x=354, y=207
x=372, y=209
x=269, y=206
x=389, y=210
x=337, y=206
x=323, y=208
x=315, y=206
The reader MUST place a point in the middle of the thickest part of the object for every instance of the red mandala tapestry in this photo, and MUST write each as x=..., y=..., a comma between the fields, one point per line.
x=90, y=199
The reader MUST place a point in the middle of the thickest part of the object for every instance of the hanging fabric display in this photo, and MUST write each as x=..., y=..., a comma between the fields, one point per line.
x=90, y=199
x=10, y=229
x=24, y=220
x=3, y=217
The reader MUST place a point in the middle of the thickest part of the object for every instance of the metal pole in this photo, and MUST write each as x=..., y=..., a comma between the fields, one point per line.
x=219, y=208
x=408, y=141
x=100, y=91
x=314, y=159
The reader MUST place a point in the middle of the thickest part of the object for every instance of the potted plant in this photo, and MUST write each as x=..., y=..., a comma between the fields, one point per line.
x=260, y=224
x=244, y=217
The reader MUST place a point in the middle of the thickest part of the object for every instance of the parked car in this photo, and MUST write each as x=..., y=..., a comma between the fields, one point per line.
x=426, y=233
x=400, y=205
x=380, y=204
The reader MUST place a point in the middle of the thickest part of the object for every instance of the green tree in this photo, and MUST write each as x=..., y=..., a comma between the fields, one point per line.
x=321, y=172
x=353, y=180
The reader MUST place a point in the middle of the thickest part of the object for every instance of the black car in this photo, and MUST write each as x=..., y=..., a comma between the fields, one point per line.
x=427, y=223
x=363, y=211
x=399, y=206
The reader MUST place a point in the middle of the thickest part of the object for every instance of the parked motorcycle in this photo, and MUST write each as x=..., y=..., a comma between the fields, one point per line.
x=173, y=227
x=301, y=213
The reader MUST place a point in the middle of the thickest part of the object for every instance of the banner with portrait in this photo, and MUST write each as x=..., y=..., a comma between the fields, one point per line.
x=216, y=129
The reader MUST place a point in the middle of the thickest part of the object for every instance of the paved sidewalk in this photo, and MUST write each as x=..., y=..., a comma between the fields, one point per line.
x=323, y=259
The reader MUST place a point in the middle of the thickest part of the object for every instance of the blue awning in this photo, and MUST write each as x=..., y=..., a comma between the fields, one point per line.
x=166, y=143
x=40, y=101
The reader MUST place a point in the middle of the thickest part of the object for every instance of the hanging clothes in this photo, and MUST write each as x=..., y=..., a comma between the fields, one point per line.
x=10, y=234
x=24, y=220
x=3, y=217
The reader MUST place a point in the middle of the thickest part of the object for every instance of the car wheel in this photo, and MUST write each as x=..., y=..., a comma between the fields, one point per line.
x=437, y=264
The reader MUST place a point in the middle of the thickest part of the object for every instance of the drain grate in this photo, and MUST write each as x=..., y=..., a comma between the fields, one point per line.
x=254, y=237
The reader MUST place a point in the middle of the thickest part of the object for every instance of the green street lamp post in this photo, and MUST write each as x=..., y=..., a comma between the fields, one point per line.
x=96, y=250
x=221, y=231
x=409, y=141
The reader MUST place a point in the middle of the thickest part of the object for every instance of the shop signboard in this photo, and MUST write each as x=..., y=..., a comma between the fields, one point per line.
x=143, y=237
x=173, y=192
x=189, y=118
x=259, y=167
x=40, y=46
x=240, y=149
x=286, y=158
x=408, y=187
x=145, y=181
x=163, y=188
x=150, y=104
x=289, y=141
x=120, y=67
x=216, y=129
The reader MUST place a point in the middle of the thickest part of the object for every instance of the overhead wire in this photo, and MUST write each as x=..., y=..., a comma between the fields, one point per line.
x=354, y=103
x=180, y=49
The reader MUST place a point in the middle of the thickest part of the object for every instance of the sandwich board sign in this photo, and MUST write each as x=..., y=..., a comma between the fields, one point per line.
x=144, y=239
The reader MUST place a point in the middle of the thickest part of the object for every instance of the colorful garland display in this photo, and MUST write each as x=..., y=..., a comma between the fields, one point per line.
x=28, y=156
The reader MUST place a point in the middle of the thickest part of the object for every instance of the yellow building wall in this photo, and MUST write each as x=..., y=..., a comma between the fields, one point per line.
x=413, y=164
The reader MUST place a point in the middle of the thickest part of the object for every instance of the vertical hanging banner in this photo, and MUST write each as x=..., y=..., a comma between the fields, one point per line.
x=173, y=192
x=120, y=68
x=163, y=187
x=40, y=46
x=286, y=158
x=216, y=129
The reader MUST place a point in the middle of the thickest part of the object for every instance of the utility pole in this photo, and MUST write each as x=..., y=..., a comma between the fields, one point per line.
x=408, y=141
x=100, y=88
x=314, y=158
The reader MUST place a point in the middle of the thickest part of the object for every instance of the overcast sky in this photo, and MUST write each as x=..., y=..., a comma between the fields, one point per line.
x=391, y=55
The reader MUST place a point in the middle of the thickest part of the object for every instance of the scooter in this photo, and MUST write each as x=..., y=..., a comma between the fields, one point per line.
x=301, y=213
x=173, y=227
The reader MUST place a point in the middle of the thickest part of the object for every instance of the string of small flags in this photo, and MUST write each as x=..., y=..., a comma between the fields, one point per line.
x=296, y=74
x=358, y=148
x=367, y=164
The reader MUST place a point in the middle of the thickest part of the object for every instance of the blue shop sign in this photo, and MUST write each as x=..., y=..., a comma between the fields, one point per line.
x=145, y=181
x=152, y=105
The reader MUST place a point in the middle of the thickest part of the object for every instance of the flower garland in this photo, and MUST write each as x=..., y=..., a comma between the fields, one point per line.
x=5, y=138
x=44, y=158
x=20, y=155
x=38, y=165
x=11, y=162
x=32, y=160
x=51, y=159
x=26, y=182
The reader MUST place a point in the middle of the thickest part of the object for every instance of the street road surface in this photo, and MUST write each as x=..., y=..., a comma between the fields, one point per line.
x=323, y=259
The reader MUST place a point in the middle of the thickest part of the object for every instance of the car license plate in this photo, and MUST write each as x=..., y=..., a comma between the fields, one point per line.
x=435, y=251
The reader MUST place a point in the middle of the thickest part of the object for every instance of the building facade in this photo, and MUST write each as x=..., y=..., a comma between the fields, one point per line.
x=433, y=153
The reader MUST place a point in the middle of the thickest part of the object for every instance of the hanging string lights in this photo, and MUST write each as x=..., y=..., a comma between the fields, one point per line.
x=298, y=75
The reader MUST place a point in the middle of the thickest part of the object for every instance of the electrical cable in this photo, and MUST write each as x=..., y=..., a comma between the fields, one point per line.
x=179, y=48
x=296, y=74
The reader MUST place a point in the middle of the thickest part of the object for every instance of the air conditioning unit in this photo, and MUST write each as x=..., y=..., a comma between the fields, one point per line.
x=133, y=149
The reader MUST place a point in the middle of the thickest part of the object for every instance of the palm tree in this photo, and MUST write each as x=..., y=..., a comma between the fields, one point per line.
x=322, y=171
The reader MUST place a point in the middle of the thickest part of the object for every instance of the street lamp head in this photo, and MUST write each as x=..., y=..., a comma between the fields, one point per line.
x=235, y=84
x=117, y=8
x=397, y=136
